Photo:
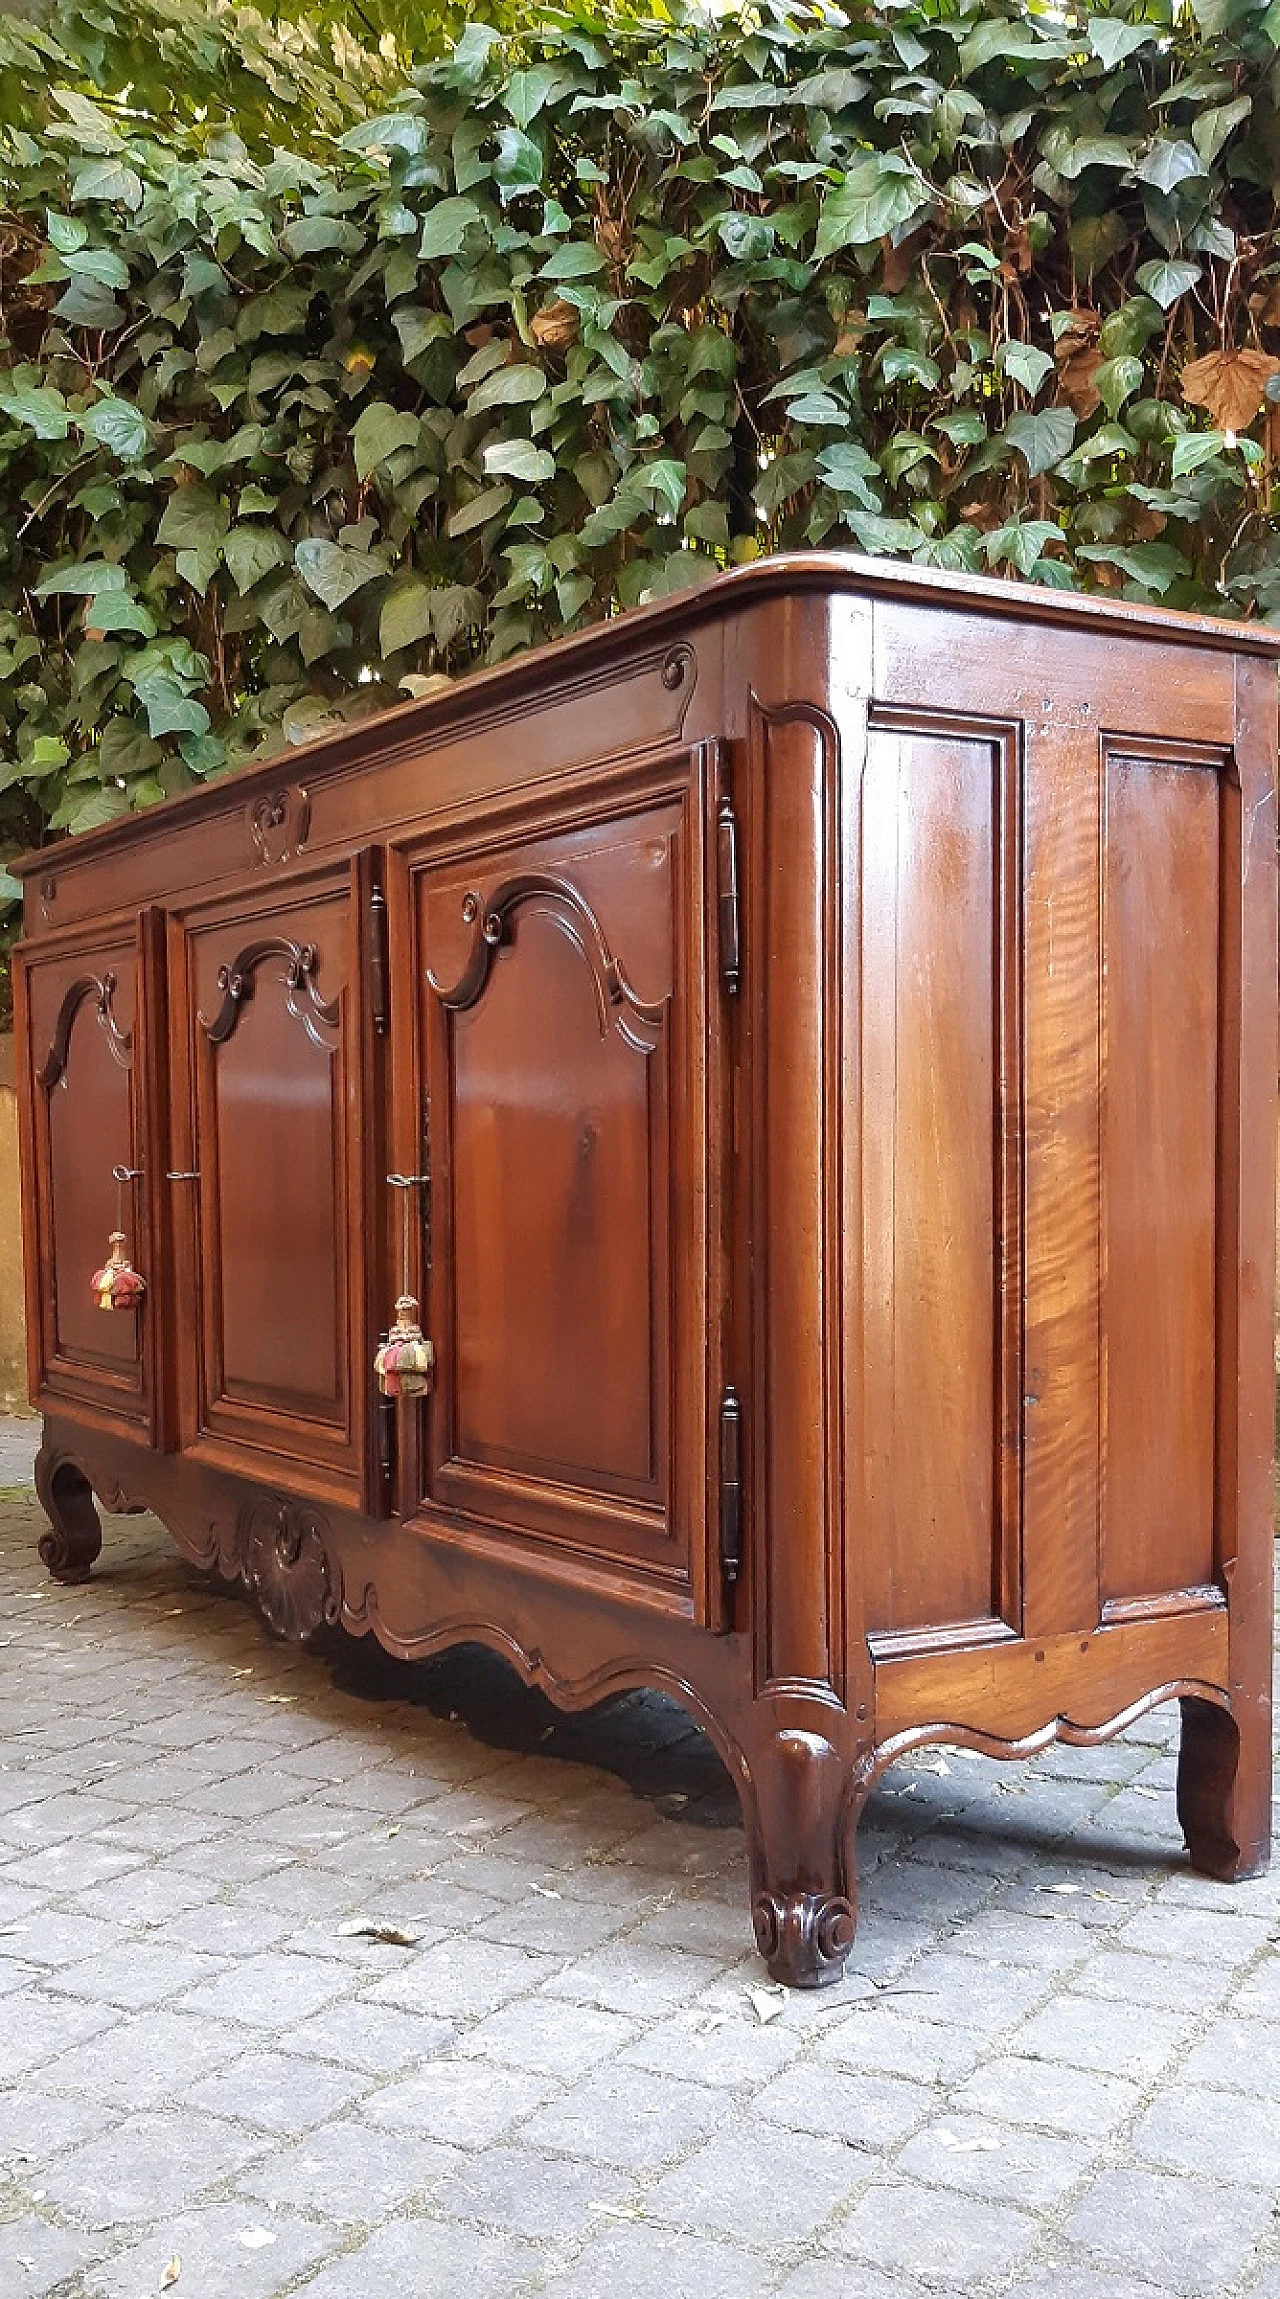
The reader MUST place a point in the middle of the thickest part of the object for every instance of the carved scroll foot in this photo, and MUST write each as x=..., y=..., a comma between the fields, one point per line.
x=1224, y=1791
x=74, y=1538
x=803, y=1887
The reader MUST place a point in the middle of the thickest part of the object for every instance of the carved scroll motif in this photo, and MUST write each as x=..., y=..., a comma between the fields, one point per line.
x=102, y=990
x=638, y=1021
x=278, y=824
x=286, y=1566
x=301, y=995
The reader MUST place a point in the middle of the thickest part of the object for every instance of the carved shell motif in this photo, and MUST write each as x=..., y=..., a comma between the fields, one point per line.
x=287, y=1567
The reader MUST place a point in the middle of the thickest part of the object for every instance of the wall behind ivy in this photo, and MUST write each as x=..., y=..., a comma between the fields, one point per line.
x=405, y=370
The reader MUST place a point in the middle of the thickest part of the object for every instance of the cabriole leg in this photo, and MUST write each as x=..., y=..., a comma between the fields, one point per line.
x=1224, y=1790
x=803, y=1893
x=74, y=1537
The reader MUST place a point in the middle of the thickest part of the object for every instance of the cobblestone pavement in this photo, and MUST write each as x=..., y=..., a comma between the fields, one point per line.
x=1054, y=2070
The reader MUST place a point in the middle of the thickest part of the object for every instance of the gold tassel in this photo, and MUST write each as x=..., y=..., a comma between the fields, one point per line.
x=406, y=1360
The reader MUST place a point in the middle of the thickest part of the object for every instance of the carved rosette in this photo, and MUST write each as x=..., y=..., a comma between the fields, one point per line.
x=286, y=1566
x=278, y=825
x=804, y=1937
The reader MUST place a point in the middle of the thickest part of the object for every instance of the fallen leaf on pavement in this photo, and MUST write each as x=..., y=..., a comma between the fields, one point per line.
x=171, y=2273
x=371, y=1928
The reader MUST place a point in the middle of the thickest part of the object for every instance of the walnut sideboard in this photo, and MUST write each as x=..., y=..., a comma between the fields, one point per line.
x=825, y=1025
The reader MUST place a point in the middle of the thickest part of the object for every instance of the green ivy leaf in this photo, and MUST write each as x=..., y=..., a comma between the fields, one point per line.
x=520, y=459
x=1042, y=440
x=38, y=407
x=508, y=387
x=380, y=433
x=334, y=571
x=878, y=195
x=1027, y=364
x=252, y=552
x=1168, y=278
x=117, y=425
x=445, y=227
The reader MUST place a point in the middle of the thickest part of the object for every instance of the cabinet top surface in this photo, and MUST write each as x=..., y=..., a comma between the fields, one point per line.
x=802, y=576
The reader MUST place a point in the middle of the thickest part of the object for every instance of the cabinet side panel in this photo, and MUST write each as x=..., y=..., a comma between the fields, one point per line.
x=931, y=850
x=1161, y=940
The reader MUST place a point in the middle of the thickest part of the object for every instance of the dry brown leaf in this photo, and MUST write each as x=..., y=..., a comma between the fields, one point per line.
x=372, y=1928
x=898, y=263
x=1078, y=359
x=1230, y=384
x=555, y=326
x=171, y=2273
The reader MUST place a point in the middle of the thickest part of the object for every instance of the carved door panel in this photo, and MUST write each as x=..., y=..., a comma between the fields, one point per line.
x=565, y=1067
x=269, y=1180
x=86, y=1019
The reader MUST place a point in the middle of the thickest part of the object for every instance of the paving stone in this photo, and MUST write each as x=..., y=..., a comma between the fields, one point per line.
x=830, y=2279
x=871, y=2111
x=549, y=2199
x=718, y=2048
x=268, y=1991
x=359, y=2034
x=1005, y=2161
x=648, y=2263
x=882, y=2036
x=1182, y=1988
x=1062, y=2278
x=461, y=1977
x=37, y=2027
x=147, y=2168
x=548, y=2039
x=144, y=2061
x=963, y=1991
x=1194, y=1933
x=1130, y=2040
x=759, y=2187
x=1049, y=2096
x=1241, y=2055
x=38, y=2261
x=467, y=2102
x=929, y=2235
x=226, y=2250
x=645, y=1981
x=351, y=2172
x=627, y=2118
x=1220, y=2134
x=279, y=2091
x=136, y=1974
x=1182, y=2234
x=432, y=2259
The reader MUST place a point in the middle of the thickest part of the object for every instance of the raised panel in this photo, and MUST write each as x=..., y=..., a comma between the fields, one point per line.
x=269, y=1125
x=939, y=1148
x=84, y=1036
x=562, y=1050
x=1161, y=940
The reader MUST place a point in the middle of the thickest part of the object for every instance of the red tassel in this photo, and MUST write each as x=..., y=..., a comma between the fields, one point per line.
x=117, y=1284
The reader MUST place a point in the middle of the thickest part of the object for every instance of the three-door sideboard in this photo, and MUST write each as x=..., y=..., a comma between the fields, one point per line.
x=810, y=1048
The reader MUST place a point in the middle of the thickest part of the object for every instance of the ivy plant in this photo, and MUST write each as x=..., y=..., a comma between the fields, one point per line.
x=332, y=376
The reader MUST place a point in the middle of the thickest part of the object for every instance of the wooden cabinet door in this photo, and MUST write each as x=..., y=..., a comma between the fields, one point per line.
x=269, y=1180
x=564, y=1063
x=87, y=1035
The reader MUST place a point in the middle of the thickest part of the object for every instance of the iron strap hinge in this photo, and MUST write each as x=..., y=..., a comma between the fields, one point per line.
x=378, y=958
x=727, y=884
x=730, y=1485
